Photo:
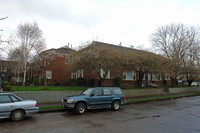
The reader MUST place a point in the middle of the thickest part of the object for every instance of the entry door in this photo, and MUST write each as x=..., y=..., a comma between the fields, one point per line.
x=146, y=79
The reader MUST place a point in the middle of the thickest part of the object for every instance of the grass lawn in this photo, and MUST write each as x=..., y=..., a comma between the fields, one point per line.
x=50, y=88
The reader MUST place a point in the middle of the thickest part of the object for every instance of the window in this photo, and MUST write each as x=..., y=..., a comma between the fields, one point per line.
x=97, y=92
x=3, y=69
x=117, y=91
x=156, y=77
x=14, y=99
x=107, y=92
x=77, y=74
x=5, y=99
x=103, y=74
x=67, y=59
x=129, y=75
x=48, y=74
x=167, y=77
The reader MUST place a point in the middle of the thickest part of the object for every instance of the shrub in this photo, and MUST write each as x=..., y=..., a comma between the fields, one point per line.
x=6, y=86
x=29, y=81
x=56, y=82
x=36, y=81
x=92, y=82
x=117, y=81
x=81, y=82
x=41, y=82
x=71, y=82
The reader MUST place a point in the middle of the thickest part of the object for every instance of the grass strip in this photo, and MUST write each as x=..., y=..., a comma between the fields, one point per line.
x=50, y=107
x=49, y=88
x=160, y=97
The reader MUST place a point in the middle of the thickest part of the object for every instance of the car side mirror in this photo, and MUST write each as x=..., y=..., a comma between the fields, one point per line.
x=92, y=95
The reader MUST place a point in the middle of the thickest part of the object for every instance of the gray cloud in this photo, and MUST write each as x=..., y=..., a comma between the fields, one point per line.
x=51, y=10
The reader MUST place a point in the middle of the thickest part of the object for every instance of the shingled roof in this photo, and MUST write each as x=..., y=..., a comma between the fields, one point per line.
x=63, y=50
x=119, y=48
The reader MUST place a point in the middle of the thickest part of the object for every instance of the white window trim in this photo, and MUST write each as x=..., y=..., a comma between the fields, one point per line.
x=157, y=76
x=107, y=76
x=48, y=74
x=77, y=74
x=133, y=75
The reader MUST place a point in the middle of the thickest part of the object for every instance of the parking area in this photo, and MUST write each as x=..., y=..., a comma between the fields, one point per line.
x=169, y=116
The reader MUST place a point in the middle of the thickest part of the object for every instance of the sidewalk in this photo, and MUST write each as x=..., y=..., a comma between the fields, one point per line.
x=130, y=100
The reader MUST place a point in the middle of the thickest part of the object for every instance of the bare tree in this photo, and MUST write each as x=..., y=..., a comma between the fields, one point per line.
x=191, y=65
x=29, y=37
x=17, y=65
x=44, y=60
x=175, y=42
x=1, y=41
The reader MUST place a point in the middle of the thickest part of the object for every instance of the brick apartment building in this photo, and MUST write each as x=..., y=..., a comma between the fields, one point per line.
x=129, y=77
x=60, y=71
x=57, y=70
x=9, y=71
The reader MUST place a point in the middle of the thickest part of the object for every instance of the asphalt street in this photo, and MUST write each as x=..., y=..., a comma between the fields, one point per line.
x=170, y=116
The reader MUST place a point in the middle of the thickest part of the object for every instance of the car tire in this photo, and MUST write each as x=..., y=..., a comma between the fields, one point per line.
x=17, y=115
x=80, y=108
x=115, y=105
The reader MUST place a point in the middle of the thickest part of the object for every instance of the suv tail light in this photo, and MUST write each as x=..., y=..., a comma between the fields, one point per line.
x=36, y=104
x=124, y=97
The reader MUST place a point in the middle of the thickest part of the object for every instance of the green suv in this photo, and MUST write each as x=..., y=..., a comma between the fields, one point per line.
x=95, y=98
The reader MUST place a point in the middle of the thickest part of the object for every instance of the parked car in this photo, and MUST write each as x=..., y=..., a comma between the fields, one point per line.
x=15, y=107
x=95, y=98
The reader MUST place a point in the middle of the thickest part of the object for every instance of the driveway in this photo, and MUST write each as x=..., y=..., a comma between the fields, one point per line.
x=169, y=116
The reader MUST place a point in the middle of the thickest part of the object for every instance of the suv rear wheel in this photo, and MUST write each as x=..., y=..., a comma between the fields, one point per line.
x=80, y=108
x=116, y=105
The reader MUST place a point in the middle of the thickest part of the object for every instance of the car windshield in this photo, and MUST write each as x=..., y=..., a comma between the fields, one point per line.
x=88, y=91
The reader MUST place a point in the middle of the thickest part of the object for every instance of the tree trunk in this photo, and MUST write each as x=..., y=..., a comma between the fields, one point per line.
x=102, y=82
x=141, y=74
x=25, y=68
x=24, y=79
x=17, y=76
x=45, y=78
x=173, y=81
x=189, y=82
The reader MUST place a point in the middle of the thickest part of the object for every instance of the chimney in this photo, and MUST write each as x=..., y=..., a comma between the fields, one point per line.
x=68, y=45
x=120, y=44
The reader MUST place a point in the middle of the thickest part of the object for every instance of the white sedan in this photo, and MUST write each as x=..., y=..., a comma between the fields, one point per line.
x=15, y=107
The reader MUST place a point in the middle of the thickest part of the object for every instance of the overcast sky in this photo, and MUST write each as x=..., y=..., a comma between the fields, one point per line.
x=113, y=21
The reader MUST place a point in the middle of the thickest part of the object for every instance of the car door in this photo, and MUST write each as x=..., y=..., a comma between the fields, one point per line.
x=6, y=106
x=95, y=99
x=107, y=97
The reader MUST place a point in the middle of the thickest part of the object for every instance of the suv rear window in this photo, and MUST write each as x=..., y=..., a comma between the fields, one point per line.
x=117, y=91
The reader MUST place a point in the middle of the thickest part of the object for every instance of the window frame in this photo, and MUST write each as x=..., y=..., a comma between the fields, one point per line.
x=133, y=75
x=102, y=72
x=107, y=94
x=96, y=90
x=11, y=101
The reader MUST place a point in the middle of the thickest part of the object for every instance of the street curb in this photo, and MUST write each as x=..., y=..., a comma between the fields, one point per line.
x=51, y=110
x=137, y=102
